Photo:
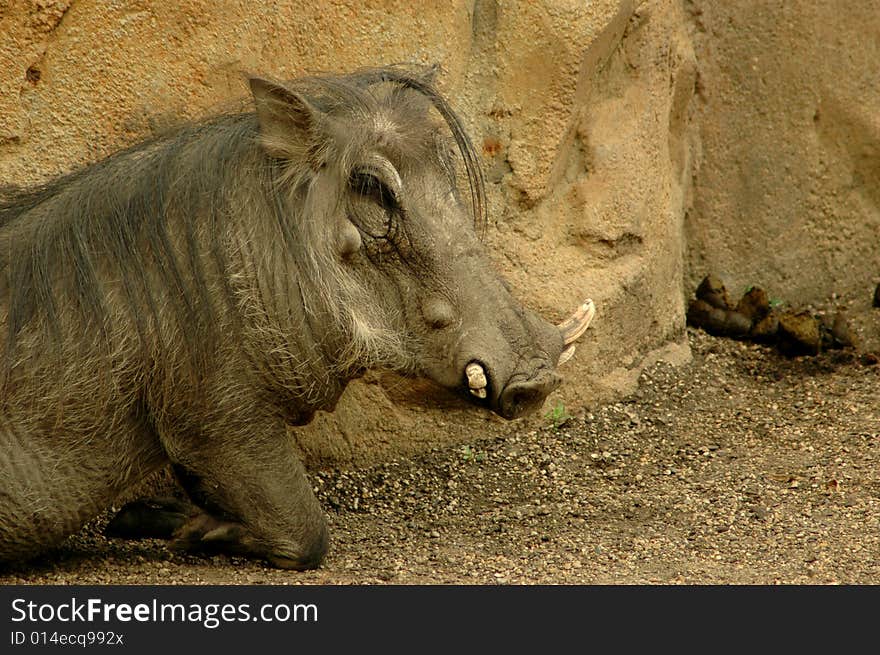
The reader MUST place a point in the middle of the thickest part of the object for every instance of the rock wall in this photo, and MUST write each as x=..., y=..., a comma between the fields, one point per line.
x=590, y=135
x=787, y=110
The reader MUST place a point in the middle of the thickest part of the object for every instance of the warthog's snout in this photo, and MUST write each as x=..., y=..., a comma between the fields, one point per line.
x=512, y=394
x=521, y=397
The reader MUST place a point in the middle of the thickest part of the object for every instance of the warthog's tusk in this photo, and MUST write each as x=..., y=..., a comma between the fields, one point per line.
x=566, y=355
x=575, y=325
x=476, y=379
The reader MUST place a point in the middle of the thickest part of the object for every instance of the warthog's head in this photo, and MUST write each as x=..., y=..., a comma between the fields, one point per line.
x=392, y=250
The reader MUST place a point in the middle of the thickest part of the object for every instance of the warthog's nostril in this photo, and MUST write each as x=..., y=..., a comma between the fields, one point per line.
x=519, y=398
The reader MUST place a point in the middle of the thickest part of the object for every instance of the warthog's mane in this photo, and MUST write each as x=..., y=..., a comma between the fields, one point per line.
x=141, y=214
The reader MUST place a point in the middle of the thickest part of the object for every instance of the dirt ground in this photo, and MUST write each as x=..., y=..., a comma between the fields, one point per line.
x=741, y=467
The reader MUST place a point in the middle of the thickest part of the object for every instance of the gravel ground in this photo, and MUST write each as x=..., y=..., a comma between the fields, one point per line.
x=741, y=467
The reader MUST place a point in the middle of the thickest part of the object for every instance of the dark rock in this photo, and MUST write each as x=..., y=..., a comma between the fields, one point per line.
x=843, y=337
x=798, y=334
x=765, y=330
x=699, y=314
x=737, y=326
x=720, y=322
x=712, y=291
x=754, y=305
x=835, y=332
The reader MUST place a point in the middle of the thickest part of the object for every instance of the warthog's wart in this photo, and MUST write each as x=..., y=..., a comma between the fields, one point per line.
x=186, y=299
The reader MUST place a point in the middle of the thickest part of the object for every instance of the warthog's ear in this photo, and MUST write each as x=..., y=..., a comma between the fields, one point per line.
x=287, y=120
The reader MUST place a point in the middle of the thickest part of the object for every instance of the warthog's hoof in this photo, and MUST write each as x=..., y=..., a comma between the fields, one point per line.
x=151, y=518
x=206, y=534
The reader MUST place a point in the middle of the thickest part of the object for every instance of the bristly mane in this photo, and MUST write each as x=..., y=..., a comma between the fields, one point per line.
x=116, y=214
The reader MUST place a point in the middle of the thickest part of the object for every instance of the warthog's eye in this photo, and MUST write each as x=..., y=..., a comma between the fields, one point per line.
x=377, y=211
x=372, y=188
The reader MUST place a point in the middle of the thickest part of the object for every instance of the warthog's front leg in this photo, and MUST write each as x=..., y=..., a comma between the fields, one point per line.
x=255, y=497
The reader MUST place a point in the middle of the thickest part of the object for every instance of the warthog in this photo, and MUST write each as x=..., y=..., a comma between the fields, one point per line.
x=185, y=300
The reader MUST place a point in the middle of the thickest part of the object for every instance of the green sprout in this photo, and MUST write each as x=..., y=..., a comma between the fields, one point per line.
x=468, y=454
x=557, y=417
